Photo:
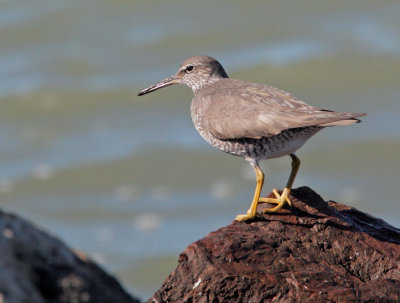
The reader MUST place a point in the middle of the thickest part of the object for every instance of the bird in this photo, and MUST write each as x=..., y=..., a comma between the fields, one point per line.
x=251, y=120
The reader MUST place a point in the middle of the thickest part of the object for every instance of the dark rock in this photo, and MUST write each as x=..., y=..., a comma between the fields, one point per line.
x=36, y=267
x=316, y=251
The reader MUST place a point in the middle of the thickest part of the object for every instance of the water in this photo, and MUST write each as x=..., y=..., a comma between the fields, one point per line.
x=128, y=180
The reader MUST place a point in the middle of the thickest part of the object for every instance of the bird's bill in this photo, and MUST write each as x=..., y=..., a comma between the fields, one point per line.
x=166, y=82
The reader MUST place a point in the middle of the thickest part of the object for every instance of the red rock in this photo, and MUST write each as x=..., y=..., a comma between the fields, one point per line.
x=316, y=251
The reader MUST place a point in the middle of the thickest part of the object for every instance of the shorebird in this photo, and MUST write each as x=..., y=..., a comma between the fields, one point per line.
x=250, y=120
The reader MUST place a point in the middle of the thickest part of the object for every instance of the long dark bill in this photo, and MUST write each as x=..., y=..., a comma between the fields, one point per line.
x=166, y=82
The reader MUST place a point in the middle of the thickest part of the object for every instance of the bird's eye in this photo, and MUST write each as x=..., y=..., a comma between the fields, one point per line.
x=189, y=68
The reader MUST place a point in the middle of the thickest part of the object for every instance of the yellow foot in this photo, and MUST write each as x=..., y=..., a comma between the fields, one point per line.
x=280, y=200
x=246, y=217
x=278, y=196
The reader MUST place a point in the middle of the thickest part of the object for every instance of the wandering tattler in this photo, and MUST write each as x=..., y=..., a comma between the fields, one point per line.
x=250, y=120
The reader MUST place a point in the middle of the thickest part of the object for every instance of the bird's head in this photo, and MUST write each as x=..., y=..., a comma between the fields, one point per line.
x=195, y=72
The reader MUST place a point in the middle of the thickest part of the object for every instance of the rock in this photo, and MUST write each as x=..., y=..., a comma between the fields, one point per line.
x=37, y=267
x=316, y=251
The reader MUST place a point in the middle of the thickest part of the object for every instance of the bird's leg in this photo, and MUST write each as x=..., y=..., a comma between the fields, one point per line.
x=280, y=200
x=252, y=211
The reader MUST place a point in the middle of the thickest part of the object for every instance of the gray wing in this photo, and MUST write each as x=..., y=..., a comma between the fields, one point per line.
x=236, y=109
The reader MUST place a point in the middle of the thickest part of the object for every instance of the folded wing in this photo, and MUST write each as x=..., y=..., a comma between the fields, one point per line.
x=252, y=110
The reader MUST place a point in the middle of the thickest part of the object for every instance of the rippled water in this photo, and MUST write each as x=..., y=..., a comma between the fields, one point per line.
x=128, y=179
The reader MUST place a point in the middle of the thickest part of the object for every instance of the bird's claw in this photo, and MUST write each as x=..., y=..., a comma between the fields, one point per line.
x=245, y=217
x=278, y=196
x=280, y=200
x=248, y=216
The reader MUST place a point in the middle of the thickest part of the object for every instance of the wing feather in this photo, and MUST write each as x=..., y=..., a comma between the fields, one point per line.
x=233, y=109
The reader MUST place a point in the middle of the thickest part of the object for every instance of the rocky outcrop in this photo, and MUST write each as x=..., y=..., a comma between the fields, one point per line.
x=36, y=267
x=316, y=251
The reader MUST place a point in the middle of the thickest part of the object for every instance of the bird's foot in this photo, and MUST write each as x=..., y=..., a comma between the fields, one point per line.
x=278, y=196
x=248, y=216
x=280, y=200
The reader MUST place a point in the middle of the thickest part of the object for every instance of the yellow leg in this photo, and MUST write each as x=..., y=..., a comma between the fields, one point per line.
x=281, y=200
x=252, y=211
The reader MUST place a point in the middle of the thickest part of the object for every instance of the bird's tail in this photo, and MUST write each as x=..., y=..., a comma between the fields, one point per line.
x=348, y=118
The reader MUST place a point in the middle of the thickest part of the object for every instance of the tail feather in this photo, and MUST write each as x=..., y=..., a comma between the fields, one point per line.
x=349, y=119
x=341, y=122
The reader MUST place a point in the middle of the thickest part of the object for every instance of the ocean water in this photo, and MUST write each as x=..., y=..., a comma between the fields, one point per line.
x=127, y=179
